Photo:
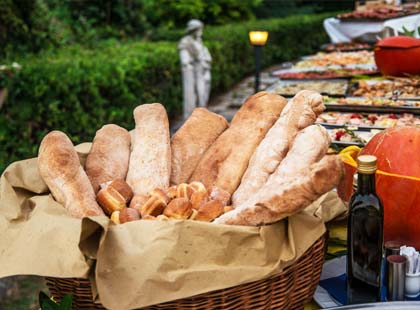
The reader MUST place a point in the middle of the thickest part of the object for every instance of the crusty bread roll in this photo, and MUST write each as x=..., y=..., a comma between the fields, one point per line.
x=60, y=169
x=150, y=160
x=190, y=142
x=109, y=155
x=299, y=113
x=310, y=146
x=224, y=163
x=280, y=198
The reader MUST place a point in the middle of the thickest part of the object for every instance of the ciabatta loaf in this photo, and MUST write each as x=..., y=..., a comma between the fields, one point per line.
x=109, y=156
x=150, y=159
x=280, y=198
x=310, y=146
x=190, y=142
x=224, y=163
x=299, y=113
x=60, y=169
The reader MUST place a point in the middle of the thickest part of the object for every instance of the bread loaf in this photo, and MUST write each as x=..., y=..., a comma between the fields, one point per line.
x=60, y=169
x=310, y=146
x=191, y=141
x=280, y=198
x=299, y=113
x=150, y=160
x=109, y=156
x=224, y=163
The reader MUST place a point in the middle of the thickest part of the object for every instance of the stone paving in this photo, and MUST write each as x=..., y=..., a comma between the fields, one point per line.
x=228, y=103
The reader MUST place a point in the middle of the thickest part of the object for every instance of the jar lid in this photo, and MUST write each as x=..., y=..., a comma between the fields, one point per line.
x=366, y=164
x=399, y=42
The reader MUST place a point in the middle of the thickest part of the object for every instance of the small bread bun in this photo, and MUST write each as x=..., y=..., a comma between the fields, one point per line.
x=184, y=191
x=179, y=208
x=198, y=199
x=155, y=204
x=138, y=201
x=114, y=196
x=128, y=215
x=210, y=211
x=172, y=192
x=115, y=217
x=198, y=186
x=219, y=194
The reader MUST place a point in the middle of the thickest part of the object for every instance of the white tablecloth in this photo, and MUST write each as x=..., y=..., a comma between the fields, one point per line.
x=346, y=31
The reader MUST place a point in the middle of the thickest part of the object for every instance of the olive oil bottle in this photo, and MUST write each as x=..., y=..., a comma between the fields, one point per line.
x=365, y=237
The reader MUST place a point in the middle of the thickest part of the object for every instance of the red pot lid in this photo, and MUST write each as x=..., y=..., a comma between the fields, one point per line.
x=399, y=42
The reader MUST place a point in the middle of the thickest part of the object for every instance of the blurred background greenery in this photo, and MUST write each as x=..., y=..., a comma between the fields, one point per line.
x=34, y=25
x=83, y=63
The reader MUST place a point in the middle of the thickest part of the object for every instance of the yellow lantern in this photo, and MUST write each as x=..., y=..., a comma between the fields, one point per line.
x=258, y=38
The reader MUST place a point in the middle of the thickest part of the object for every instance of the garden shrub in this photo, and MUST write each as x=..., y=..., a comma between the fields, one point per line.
x=77, y=90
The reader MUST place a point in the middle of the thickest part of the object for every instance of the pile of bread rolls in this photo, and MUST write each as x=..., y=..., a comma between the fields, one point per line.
x=267, y=164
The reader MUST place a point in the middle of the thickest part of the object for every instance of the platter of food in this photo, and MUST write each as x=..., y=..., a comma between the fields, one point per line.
x=367, y=121
x=372, y=104
x=345, y=47
x=347, y=136
x=379, y=13
x=331, y=87
x=337, y=58
x=397, y=88
x=331, y=65
x=322, y=74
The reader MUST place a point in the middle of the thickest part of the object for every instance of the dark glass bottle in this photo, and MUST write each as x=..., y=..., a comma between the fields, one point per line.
x=365, y=237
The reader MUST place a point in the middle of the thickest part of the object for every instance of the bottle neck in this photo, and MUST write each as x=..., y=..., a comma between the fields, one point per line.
x=366, y=183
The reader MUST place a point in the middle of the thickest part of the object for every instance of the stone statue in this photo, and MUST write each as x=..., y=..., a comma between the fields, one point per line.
x=196, y=64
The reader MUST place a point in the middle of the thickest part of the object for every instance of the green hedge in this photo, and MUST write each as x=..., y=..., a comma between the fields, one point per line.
x=77, y=90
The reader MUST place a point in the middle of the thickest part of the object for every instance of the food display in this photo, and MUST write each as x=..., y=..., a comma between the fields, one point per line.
x=368, y=120
x=337, y=59
x=322, y=73
x=402, y=88
x=371, y=101
x=331, y=87
x=379, y=13
x=346, y=47
x=331, y=65
x=194, y=175
x=347, y=136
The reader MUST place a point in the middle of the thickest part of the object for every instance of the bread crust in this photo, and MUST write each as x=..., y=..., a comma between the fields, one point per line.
x=224, y=163
x=109, y=155
x=60, y=168
x=310, y=146
x=150, y=160
x=282, y=197
x=299, y=113
x=191, y=141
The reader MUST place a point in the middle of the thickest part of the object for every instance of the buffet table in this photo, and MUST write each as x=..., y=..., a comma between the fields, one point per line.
x=346, y=31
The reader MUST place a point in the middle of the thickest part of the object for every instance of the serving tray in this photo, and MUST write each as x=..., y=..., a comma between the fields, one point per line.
x=341, y=84
x=371, y=109
x=372, y=82
x=357, y=128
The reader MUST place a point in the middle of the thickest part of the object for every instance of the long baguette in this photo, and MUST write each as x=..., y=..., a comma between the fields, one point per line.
x=60, y=168
x=279, y=199
x=150, y=159
x=109, y=155
x=299, y=113
x=225, y=161
x=190, y=142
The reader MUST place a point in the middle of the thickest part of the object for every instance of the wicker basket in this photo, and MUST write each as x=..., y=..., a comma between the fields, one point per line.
x=290, y=289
